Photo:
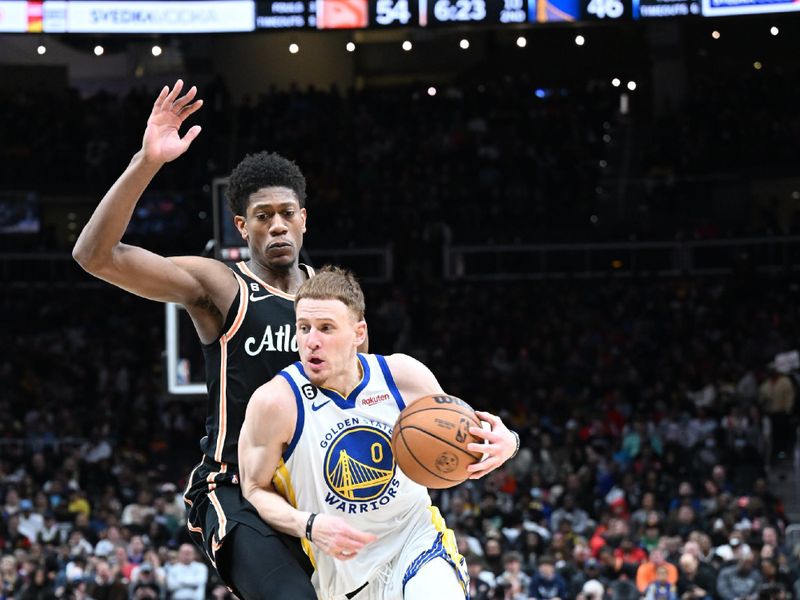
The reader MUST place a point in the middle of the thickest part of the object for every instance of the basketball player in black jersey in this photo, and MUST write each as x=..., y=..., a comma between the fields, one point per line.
x=244, y=317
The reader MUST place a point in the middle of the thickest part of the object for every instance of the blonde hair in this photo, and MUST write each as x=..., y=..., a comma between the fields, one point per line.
x=333, y=283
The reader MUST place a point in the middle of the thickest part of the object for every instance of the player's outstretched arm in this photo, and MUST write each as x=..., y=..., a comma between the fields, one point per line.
x=99, y=249
x=415, y=380
x=268, y=428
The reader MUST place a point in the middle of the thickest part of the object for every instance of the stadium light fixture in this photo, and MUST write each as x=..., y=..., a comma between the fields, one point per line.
x=522, y=41
x=98, y=50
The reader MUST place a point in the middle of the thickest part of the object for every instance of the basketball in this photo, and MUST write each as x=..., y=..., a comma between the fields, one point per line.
x=430, y=440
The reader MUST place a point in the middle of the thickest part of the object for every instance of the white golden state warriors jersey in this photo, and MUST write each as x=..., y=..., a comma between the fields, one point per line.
x=340, y=462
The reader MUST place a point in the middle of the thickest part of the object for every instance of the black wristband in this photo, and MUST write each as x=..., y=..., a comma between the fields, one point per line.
x=516, y=450
x=310, y=522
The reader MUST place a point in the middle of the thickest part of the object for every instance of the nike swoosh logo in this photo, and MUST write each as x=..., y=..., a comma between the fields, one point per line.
x=316, y=407
x=257, y=298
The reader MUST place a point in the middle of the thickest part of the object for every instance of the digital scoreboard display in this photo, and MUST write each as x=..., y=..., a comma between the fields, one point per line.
x=720, y=8
x=606, y=10
x=492, y=12
x=649, y=9
x=211, y=16
x=553, y=11
x=285, y=14
x=336, y=14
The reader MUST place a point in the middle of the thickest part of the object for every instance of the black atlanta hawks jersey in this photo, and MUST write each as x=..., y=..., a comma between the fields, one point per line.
x=258, y=340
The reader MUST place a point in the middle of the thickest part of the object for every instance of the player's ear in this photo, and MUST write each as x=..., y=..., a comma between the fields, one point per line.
x=361, y=333
x=241, y=225
x=303, y=216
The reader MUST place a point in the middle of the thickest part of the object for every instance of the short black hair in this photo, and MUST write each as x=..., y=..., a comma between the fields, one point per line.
x=263, y=170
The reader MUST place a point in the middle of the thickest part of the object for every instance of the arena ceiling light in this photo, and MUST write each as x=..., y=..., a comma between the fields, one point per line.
x=522, y=41
x=715, y=34
x=431, y=91
x=774, y=30
x=631, y=85
x=350, y=47
x=580, y=40
x=294, y=48
x=407, y=45
x=616, y=82
x=41, y=49
x=464, y=44
x=98, y=50
x=156, y=50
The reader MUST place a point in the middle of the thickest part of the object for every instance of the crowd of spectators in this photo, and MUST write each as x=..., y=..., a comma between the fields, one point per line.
x=648, y=411
x=530, y=164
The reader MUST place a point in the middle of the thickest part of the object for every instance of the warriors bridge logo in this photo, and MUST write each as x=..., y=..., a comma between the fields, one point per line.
x=359, y=467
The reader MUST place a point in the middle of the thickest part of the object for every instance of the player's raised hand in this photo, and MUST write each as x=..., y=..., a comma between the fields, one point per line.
x=162, y=139
x=500, y=445
x=335, y=537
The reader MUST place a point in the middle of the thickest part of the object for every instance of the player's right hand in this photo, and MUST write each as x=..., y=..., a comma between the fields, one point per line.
x=336, y=538
x=162, y=141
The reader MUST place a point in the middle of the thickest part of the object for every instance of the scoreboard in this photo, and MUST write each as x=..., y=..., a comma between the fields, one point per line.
x=211, y=16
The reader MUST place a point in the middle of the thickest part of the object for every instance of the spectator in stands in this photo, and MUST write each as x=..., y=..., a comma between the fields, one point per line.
x=578, y=518
x=186, y=578
x=546, y=584
x=647, y=571
x=106, y=583
x=40, y=587
x=30, y=523
x=591, y=590
x=739, y=580
x=661, y=588
x=513, y=580
x=481, y=579
x=145, y=584
x=694, y=583
x=776, y=395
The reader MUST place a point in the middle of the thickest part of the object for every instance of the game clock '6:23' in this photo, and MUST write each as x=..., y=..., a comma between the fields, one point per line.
x=459, y=10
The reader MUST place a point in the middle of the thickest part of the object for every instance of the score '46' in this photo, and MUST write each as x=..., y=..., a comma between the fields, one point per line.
x=602, y=9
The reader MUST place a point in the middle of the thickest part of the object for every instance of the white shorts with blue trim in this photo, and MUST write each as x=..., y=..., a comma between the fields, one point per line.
x=432, y=541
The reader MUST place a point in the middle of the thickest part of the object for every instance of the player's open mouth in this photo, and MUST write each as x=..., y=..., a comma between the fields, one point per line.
x=315, y=361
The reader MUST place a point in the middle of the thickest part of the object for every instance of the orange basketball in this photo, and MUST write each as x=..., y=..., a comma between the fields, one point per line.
x=430, y=440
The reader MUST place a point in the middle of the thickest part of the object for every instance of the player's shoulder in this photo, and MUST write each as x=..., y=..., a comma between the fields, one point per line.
x=404, y=367
x=402, y=361
x=272, y=397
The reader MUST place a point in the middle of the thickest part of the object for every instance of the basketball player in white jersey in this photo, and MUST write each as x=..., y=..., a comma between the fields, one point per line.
x=316, y=461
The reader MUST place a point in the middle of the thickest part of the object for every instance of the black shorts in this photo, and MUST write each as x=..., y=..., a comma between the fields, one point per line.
x=215, y=506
